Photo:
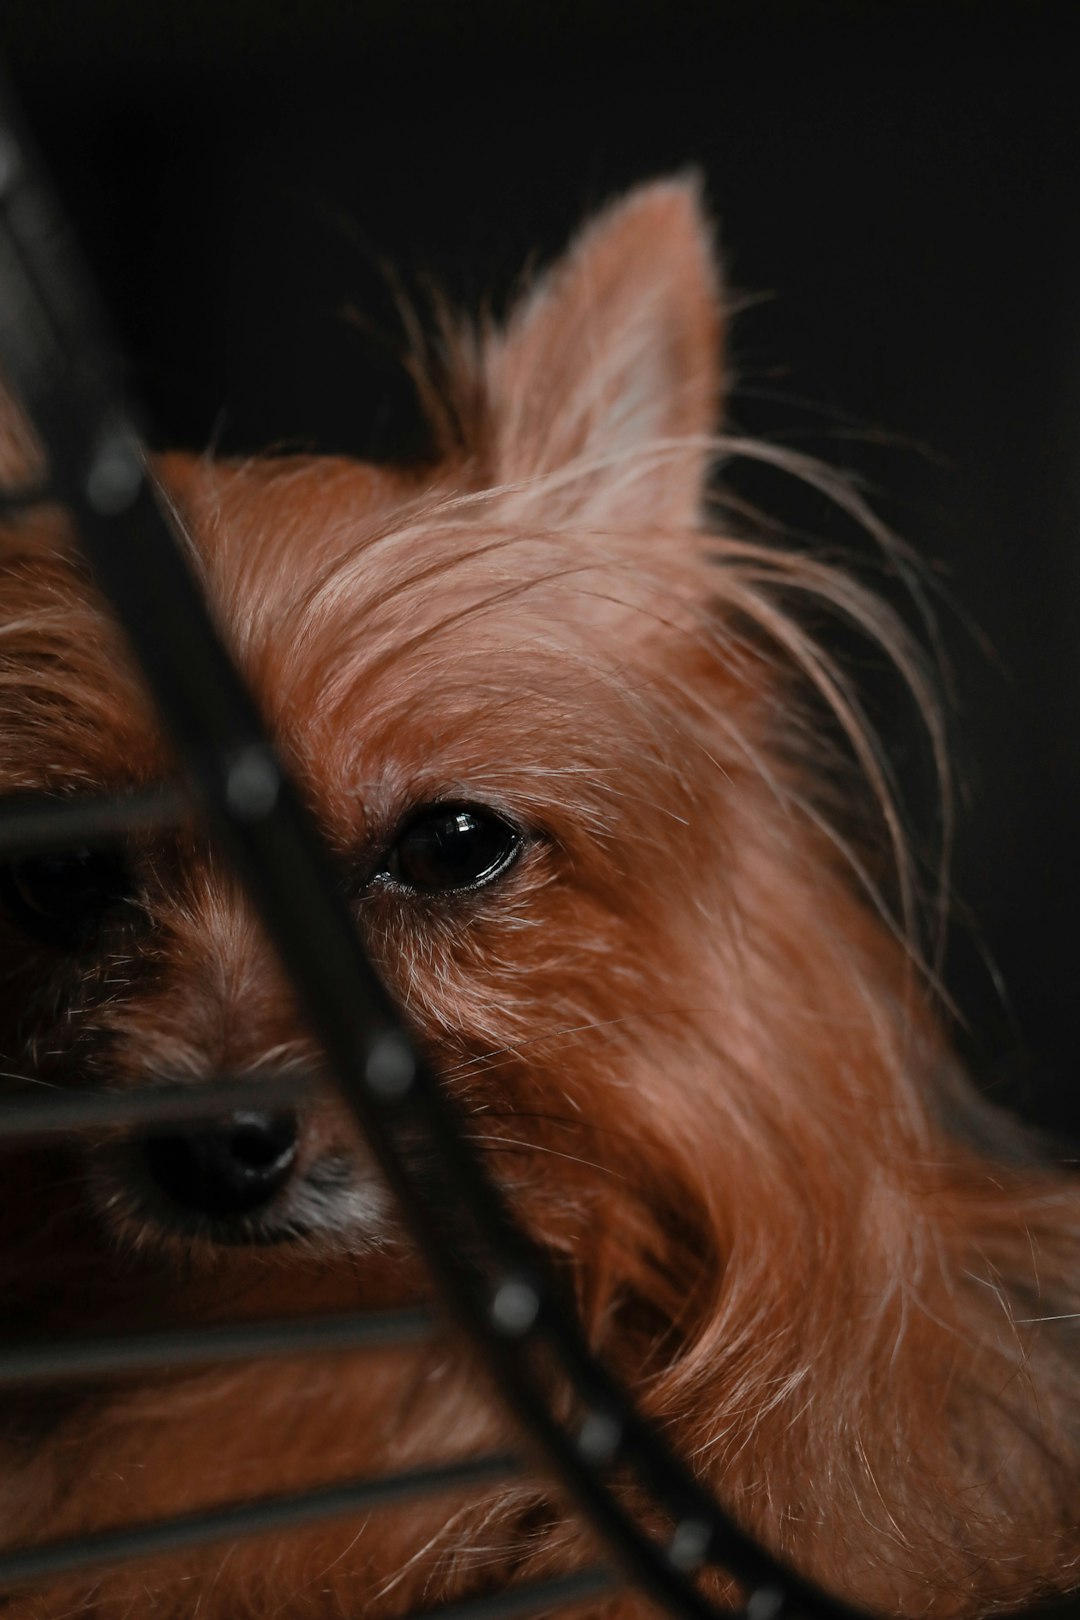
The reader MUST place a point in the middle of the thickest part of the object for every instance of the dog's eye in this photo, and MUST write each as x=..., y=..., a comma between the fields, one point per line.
x=453, y=846
x=61, y=899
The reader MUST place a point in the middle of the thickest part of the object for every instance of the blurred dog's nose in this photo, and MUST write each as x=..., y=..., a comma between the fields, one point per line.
x=232, y=1168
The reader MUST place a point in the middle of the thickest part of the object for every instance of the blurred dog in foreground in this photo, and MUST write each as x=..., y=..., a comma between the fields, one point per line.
x=565, y=741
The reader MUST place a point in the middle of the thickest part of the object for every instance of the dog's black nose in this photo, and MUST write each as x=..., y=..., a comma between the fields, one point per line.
x=232, y=1168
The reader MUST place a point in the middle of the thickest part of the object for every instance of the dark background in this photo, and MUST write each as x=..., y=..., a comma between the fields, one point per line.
x=901, y=182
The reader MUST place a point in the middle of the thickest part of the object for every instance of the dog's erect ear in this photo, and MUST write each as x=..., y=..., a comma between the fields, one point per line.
x=607, y=375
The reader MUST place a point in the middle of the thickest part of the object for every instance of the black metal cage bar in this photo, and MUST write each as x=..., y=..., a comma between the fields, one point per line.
x=50, y=1361
x=247, y=1519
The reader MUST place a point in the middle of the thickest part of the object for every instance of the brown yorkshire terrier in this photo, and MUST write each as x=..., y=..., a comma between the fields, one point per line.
x=574, y=754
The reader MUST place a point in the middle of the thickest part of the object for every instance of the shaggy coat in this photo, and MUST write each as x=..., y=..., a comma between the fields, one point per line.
x=680, y=1024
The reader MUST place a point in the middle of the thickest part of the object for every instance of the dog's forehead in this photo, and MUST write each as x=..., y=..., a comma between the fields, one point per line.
x=396, y=628
x=404, y=638
x=325, y=573
x=266, y=530
x=328, y=573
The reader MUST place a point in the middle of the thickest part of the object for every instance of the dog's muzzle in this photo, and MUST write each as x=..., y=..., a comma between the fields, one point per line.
x=233, y=1169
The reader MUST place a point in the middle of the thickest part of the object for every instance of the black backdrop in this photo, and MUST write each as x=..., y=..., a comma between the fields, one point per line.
x=902, y=182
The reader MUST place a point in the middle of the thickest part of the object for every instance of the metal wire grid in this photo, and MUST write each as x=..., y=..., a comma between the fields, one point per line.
x=493, y=1278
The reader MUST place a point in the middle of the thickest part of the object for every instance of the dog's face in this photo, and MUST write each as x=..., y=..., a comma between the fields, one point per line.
x=533, y=711
x=496, y=684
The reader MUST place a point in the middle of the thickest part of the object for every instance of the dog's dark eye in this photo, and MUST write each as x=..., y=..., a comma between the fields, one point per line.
x=61, y=899
x=453, y=846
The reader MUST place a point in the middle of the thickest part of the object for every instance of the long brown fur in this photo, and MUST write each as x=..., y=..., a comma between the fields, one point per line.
x=691, y=1046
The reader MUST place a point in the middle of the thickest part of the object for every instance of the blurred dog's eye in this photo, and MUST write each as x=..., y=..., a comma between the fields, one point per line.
x=61, y=899
x=453, y=846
